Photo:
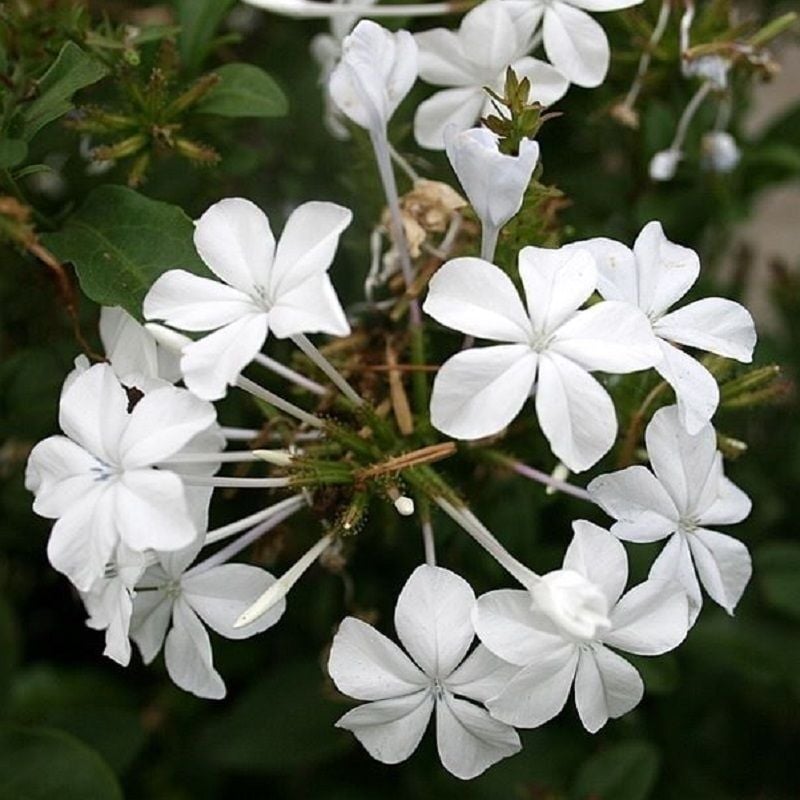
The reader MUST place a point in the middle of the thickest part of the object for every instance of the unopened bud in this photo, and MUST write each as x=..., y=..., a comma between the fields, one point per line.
x=664, y=163
x=278, y=458
x=404, y=506
x=720, y=151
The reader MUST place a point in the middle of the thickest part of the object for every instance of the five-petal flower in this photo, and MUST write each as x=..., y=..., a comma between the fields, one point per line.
x=552, y=346
x=284, y=289
x=686, y=491
x=561, y=632
x=432, y=619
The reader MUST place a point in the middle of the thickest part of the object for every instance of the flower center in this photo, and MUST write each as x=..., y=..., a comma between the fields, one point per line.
x=102, y=472
x=262, y=298
x=540, y=341
x=576, y=605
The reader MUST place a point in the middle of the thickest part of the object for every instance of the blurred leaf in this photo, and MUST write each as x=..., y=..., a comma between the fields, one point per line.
x=244, y=91
x=12, y=152
x=778, y=571
x=121, y=241
x=199, y=20
x=72, y=70
x=9, y=649
x=281, y=723
x=42, y=764
x=660, y=675
x=783, y=129
x=623, y=772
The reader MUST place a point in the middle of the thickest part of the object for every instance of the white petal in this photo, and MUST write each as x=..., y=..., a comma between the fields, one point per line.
x=575, y=412
x=60, y=473
x=152, y=611
x=129, y=347
x=538, y=692
x=458, y=107
x=469, y=740
x=192, y=303
x=481, y=676
x=491, y=38
x=556, y=284
x=390, y=730
x=606, y=685
x=478, y=392
x=636, y=498
x=713, y=324
x=603, y=5
x=650, y=619
x=696, y=390
x=84, y=537
x=366, y=665
x=598, y=556
x=433, y=619
x=442, y=60
x=214, y=362
x=235, y=240
x=187, y=653
x=611, y=336
x=576, y=44
x=548, y=85
x=307, y=245
x=512, y=630
x=312, y=307
x=93, y=412
x=478, y=298
x=666, y=270
x=616, y=269
x=730, y=506
x=674, y=563
x=162, y=423
x=151, y=511
x=680, y=461
x=723, y=566
x=220, y=595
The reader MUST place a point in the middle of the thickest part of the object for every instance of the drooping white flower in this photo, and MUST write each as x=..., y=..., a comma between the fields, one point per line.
x=562, y=632
x=573, y=41
x=685, y=491
x=654, y=276
x=376, y=71
x=489, y=40
x=432, y=620
x=99, y=482
x=720, y=151
x=283, y=289
x=552, y=346
x=494, y=182
x=172, y=597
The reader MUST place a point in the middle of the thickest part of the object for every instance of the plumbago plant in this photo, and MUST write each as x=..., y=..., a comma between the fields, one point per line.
x=214, y=461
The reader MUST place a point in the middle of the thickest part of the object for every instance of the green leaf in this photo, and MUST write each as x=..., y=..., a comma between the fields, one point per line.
x=9, y=649
x=280, y=724
x=121, y=241
x=244, y=91
x=72, y=70
x=199, y=21
x=12, y=152
x=42, y=764
x=778, y=571
x=623, y=772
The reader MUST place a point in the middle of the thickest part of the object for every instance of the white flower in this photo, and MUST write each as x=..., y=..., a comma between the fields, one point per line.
x=686, y=491
x=553, y=347
x=654, y=276
x=217, y=596
x=489, y=41
x=664, y=164
x=493, y=182
x=573, y=41
x=432, y=619
x=99, y=480
x=377, y=70
x=283, y=289
x=720, y=151
x=571, y=644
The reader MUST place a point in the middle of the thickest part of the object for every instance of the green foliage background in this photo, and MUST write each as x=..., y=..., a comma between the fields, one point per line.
x=720, y=718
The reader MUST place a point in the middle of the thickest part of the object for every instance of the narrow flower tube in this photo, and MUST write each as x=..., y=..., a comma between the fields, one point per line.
x=290, y=375
x=281, y=587
x=232, y=528
x=313, y=9
x=308, y=348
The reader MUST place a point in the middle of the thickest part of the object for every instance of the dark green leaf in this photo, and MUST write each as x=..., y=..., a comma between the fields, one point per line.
x=72, y=70
x=623, y=772
x=121, y=241
x=199, y=20
x=12, y=152
x=43, y=764
x=244, y=91
x=9, y=648
x=778, y=571
x=283, y=722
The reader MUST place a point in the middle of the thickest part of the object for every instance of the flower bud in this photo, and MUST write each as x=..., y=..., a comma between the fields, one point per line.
x=664, y=163
x=720, y=151
x=576, y=605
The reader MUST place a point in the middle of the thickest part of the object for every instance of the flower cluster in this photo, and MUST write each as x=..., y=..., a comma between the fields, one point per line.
x=130, y=481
